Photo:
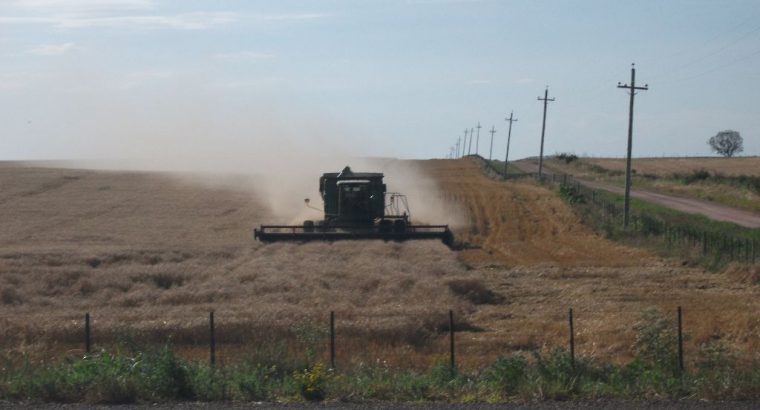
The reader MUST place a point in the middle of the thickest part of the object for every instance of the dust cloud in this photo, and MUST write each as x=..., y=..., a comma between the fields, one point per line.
x=204, y=136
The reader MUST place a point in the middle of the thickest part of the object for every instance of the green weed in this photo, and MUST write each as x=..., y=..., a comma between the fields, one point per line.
x=161, y=376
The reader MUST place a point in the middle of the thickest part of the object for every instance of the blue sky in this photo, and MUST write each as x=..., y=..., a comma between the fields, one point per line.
x=124, y=78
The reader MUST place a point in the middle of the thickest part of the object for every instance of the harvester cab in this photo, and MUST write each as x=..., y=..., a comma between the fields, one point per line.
x=356, y=206
x=352, y=198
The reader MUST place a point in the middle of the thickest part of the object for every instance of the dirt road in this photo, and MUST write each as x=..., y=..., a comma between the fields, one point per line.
x=694, y=206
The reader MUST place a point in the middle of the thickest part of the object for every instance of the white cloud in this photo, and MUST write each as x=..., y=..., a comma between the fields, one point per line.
x=290, y=16
x=186, y=21
x=80, y=6
x=52, y=49
x=244, y=55
x=75, y=14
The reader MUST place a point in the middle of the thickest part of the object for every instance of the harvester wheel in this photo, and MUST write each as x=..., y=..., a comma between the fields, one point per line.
x=399, y=226
x=386, y=226
x=308, y=226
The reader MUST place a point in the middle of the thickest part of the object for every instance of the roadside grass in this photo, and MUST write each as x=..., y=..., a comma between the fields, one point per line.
x=498, y=166
x=690, y=220
x=735, y=190
x=669, y=232
x=740, y=191
x=159, y=375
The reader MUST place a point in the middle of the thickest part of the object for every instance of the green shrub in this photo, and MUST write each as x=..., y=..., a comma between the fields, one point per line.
x=312, y=382
x=571, y=194
x=696, y=176
x=555, y=376
x=717, y=373
x=568, y=158
x=655, y=343
x=257, y=383
x=98, y=378
x=165, y=376
x=208, y=383
x=160, y=376
x=508, y=373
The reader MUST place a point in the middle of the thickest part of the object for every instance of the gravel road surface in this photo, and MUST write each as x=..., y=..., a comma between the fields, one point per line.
x=694, y=206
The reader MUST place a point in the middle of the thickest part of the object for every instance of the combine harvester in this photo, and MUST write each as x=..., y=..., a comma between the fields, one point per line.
x=356, y=206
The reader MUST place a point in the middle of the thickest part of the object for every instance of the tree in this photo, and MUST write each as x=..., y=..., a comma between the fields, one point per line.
x=727, y=143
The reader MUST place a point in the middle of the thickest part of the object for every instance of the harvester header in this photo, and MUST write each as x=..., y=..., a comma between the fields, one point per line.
x=356, y=206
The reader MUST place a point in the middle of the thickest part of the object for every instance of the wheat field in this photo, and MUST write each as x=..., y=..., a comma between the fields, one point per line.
x=150, y=254
x=665, y=167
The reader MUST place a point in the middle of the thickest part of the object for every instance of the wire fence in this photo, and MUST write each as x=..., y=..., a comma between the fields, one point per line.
x=333, y=338
x=719, y=245
x=712, y=243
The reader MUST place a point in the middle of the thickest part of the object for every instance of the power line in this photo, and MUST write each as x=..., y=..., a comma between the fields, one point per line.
x=714, y=69
x=464, y=146
x=511, y=119
x=546, y=100
x=632, y=90
x=720, y=50
x=672, y=74
x=705, y=45
x=469, y=147
x=490, y=150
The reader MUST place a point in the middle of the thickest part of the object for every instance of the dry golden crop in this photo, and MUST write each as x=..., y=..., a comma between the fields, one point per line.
x=149, y=255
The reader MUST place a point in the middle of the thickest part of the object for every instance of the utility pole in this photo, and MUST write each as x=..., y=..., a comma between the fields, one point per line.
x=469, y=147
x=464, y=146
x=490, y=151
x=546, y=99
x=632, y=90
x=459, y=141
x=511, y=119
x=477, y=140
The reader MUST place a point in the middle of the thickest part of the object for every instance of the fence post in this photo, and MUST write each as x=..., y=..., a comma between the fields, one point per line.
x=87, y=344
x=332, y=339
x=211, y=339
x=680, y=339
x=704, y=243
x=564, y=180
x=572, y=339
x=451, y=342
x=753, y=251
x=746, y=250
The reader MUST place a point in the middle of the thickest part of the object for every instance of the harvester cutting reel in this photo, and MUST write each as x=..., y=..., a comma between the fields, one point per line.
x=356, y=206
x=394, y=225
